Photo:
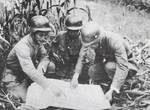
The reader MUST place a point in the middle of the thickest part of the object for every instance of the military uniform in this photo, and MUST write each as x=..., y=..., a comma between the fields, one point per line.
x=69, y=43
x=28, y=60
x=110, y=58
x=23, y=57
x=69, y=50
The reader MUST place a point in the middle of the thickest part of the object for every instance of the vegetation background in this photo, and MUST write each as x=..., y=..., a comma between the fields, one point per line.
x=122, y=17
x=130, y=18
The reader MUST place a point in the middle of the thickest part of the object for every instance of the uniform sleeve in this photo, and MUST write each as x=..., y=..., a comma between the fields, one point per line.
x=27, y=66
x=80, y=61
x=121, y=67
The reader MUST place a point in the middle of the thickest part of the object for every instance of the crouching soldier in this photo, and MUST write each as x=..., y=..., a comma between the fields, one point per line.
x=107, y=53
x=28, y=60
x=69, y=43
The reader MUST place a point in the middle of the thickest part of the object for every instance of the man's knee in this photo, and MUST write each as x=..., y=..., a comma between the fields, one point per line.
x=110, y=68
x=96, y=72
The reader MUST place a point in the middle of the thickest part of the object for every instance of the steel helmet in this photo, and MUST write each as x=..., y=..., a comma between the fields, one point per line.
x=73, y=22
x=41, y=23
x=90, y=33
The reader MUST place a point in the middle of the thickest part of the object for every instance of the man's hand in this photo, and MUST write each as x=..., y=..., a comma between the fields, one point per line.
x=109, y=94
x=74, y=81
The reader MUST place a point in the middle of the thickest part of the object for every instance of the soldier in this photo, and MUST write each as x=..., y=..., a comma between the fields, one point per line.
x=107, y=54
x=22, y=60
x=69, y=42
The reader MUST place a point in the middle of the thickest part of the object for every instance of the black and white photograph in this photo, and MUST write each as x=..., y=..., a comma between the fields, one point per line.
x=74, y=54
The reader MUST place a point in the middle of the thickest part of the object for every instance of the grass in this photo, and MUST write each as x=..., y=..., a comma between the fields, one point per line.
x=134, y=24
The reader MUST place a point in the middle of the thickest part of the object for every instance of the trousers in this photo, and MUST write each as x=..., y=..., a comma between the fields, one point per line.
x=105, y=71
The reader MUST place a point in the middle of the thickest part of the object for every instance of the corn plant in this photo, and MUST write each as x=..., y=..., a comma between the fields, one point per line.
x=17, y=21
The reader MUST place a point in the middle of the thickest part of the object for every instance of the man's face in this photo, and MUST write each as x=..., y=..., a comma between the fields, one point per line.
x=41, y=37
x=73, y=33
